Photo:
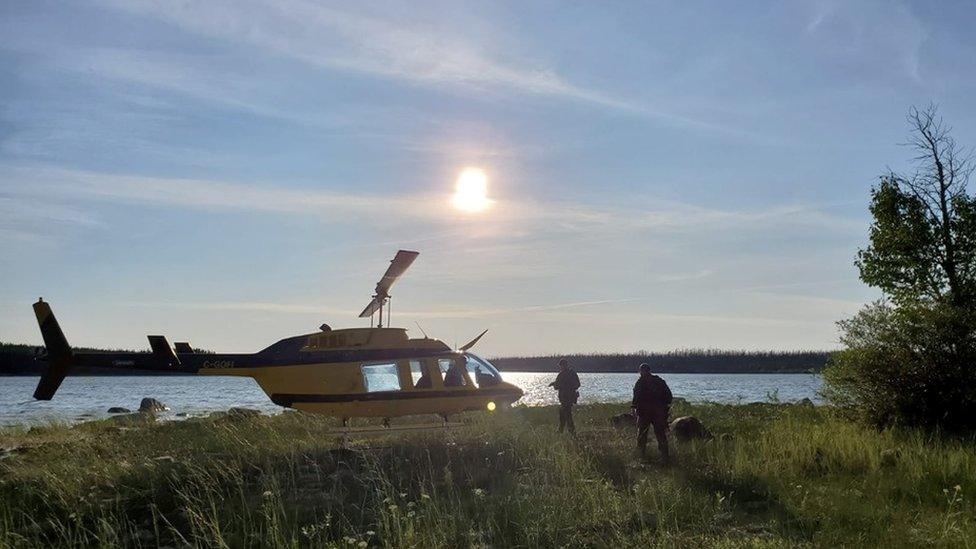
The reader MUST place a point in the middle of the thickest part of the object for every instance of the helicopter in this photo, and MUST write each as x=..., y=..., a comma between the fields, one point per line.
x=352, y=372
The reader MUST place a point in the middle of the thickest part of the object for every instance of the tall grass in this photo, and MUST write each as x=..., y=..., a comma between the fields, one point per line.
x=775, y=475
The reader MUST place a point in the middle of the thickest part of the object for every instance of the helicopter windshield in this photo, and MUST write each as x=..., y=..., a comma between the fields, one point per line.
x=481, y=371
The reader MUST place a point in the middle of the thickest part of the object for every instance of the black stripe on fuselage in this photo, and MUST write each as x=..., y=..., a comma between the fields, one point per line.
x=288, y=399
x=353, y=355
x=296, y=358
x=130, y=361
x=191, y=363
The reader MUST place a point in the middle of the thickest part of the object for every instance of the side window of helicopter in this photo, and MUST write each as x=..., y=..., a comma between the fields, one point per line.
x=419, y=375
x=380, y=377
x=481, y=372
x=452, y=371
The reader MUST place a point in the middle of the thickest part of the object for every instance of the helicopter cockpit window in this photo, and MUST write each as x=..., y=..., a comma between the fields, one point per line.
x=481, y=371
x=419, y=376
x=453, y=376
x=380, y=377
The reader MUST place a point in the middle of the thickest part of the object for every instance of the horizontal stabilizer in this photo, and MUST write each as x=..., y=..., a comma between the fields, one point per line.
x=161, y=349
x=183, y=348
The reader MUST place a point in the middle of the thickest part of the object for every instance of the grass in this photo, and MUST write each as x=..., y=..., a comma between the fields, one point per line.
x=776, y=475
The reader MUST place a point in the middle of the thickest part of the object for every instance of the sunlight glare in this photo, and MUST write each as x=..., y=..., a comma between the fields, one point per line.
x=471, y=191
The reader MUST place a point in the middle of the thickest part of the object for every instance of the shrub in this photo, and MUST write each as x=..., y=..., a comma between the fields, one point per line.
x=907, y=365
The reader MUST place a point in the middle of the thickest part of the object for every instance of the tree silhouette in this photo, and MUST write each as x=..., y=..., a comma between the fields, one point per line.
x=923, y=239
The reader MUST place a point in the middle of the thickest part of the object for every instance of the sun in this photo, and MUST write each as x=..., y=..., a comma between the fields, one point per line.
x=471, y=191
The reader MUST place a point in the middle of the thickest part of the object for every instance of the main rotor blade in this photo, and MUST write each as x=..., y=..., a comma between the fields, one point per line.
x=371, y=308
x=400, y=263
x=473, y=342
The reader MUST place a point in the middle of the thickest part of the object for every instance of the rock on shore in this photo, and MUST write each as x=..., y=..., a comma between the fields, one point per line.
x=689, y=428
x=241, y=413
x=151, y=405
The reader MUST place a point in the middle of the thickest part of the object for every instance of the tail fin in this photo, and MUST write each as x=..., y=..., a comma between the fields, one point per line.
x=162, y=350
x=58, y=352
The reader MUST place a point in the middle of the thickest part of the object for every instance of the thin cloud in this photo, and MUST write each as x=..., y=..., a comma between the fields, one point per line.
x=813, y=303
x=306, y=309
x=253, y=306
x=645, y=318
x=204, y=194
x=880, y=34
x=562, y=216
x=25, y=220
x=682, y=277
x=334, y=39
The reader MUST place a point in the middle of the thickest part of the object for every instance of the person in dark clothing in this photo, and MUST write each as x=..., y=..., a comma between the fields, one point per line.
x=567, y=384
x=453, y=377
x=652, y=403
x=484, y=380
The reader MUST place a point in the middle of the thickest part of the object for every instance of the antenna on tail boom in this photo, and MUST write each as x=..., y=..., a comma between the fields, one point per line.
x=381, y=296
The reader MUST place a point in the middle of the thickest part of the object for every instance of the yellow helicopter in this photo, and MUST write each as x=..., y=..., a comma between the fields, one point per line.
x=353, y=372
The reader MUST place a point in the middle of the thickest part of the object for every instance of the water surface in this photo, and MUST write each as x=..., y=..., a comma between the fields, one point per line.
x=88, y=397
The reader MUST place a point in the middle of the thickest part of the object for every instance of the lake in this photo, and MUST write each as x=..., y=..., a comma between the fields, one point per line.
x=88, y=397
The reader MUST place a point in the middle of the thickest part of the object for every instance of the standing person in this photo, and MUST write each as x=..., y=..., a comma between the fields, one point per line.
x=652, y=402
x=567, y=383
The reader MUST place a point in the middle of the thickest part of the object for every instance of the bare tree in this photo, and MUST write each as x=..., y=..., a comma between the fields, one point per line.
x=923, y=243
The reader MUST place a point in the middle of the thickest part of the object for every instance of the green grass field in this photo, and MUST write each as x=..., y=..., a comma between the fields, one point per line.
x=775, y=476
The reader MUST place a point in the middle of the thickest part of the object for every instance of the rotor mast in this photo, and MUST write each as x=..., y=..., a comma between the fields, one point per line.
x=381, y=296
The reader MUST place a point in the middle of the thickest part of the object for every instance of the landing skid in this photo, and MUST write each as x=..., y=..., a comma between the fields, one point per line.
x=379, y=430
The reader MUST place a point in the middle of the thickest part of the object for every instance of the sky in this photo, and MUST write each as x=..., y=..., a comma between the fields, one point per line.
x=661, y=175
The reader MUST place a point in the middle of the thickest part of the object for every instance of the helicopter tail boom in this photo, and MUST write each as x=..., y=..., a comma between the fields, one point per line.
x=59, y=352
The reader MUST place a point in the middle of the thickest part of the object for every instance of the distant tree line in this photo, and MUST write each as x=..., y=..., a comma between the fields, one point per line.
x=697, y=361
x=17, y=359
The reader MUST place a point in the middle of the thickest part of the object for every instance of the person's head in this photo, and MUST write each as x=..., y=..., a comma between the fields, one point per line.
x=563, y=364
x=645, y=369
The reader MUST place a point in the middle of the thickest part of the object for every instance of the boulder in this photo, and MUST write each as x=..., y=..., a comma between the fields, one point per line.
x=242, y=413
x=624, y=421
x=689, y=428
x=119, y=410
x=151, y=405
x=806, y=402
